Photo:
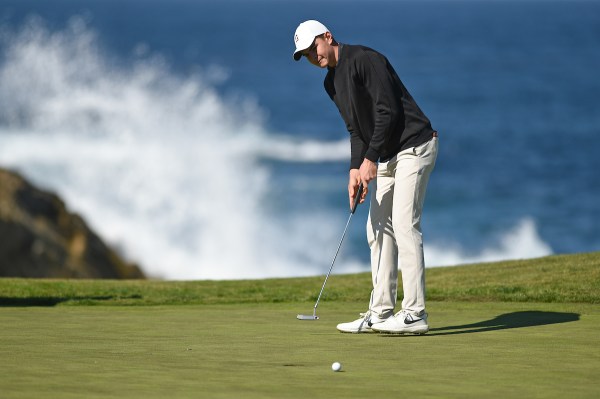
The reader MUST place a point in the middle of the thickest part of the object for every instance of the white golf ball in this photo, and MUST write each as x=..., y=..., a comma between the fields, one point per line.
x=336, y=366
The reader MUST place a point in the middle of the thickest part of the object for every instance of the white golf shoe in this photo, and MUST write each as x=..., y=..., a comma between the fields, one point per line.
x=403, y=323
x=362, y=325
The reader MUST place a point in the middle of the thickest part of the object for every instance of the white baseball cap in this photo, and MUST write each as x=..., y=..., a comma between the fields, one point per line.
x=305, y=35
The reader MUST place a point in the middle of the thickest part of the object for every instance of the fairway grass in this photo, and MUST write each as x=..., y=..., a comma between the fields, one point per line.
x=571, y=278
x=515, y=329
x=260, y=350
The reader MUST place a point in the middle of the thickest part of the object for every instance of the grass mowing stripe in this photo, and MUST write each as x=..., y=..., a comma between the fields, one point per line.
x=492, y=350
x=563, y=278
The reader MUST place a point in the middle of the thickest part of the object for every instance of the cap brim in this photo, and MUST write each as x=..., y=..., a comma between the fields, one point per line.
x=302, y=45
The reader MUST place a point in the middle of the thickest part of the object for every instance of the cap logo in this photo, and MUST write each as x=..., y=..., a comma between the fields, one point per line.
x=296, y=38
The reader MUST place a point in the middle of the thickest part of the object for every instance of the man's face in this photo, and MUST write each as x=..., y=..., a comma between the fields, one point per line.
x=321, y=53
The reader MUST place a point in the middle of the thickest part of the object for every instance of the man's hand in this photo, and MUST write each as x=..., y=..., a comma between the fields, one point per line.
x=367, y=171
x=353, y=183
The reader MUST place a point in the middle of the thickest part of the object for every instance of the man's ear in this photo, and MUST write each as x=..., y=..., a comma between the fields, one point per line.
x=328, y=37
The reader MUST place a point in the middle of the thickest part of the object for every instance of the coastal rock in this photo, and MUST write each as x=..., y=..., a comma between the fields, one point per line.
x=39, y=237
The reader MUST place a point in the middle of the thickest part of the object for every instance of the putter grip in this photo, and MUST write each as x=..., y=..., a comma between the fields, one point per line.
x=357, y=197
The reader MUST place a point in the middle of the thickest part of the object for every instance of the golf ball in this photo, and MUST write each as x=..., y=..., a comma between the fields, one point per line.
x=336, y=366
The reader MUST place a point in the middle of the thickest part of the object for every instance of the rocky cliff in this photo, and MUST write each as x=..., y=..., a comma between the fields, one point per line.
x=39, y=237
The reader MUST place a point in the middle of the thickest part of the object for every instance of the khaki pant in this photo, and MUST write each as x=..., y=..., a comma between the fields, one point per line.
x=394, y=229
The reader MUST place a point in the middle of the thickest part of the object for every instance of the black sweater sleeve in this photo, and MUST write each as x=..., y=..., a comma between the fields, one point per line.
x=373, y=72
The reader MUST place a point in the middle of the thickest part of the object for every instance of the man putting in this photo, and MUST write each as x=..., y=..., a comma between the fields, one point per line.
x=393, y=148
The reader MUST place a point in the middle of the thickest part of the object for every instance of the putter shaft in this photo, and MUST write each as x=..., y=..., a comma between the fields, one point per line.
x=314, y=315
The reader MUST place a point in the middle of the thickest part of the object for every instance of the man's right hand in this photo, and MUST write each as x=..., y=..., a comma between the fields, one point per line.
x=353, y=183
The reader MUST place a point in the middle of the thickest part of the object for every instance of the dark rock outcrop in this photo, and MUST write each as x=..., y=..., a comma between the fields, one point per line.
x=39, y=237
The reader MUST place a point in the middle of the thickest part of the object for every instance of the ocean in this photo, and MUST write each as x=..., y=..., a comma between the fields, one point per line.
x=189, y=139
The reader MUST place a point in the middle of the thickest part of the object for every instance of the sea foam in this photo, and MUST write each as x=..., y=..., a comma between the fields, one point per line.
x=520, y=242
x=162, y=166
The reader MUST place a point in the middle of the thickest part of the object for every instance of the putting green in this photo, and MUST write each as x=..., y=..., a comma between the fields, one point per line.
x=473, y=350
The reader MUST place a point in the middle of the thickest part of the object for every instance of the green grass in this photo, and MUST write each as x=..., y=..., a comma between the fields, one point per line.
x=524, y=329
x=555, y=279
x=475, y=350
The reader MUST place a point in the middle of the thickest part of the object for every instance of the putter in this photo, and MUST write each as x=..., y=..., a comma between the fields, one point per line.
x=314, y=315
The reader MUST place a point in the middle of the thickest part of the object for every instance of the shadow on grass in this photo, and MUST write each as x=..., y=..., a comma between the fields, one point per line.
x=507, y=321
x=53, y=301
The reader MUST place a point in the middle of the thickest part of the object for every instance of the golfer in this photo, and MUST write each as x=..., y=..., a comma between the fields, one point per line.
x=393, y=151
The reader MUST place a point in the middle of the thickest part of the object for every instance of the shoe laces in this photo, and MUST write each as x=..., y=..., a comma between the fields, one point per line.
x=403, y=314
x=366, y=315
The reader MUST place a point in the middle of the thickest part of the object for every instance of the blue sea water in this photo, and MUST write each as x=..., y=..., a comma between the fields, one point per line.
x=187, y=136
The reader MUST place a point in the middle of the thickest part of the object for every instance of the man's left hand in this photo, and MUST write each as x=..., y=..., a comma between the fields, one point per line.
x=368, y=171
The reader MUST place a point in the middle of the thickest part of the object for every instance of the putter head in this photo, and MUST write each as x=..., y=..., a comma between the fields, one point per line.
x=307, y=317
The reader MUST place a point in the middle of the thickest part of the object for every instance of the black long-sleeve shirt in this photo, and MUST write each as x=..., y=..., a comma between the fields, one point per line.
x=380, y=114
